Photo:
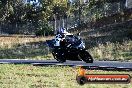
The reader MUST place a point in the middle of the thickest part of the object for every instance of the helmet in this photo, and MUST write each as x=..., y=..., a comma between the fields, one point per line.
x=61, y=31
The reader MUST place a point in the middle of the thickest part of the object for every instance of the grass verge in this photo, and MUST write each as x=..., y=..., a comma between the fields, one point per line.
x=18, y=47
x=113, y=51
x=27, y=76
x=24, y=47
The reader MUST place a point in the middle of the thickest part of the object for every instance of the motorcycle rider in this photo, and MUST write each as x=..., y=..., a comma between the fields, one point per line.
x=64, y=39
x=60, y=37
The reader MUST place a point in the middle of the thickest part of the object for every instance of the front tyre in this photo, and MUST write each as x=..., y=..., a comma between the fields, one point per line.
x=86, y=57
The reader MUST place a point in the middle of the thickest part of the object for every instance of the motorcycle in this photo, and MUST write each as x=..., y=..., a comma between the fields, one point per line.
x=70, y=47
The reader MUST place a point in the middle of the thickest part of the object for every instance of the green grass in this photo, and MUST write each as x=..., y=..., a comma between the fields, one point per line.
x=24, y=48
x=27, y=76
x=26, y=52
x=109, y=42
x=35, y=48
x=112, y=51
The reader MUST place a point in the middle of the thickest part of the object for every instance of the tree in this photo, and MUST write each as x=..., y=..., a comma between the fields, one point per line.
x=60, y=9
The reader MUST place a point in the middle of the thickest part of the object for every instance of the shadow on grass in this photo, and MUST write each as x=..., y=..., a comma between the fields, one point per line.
x=34, y=50
x=117, y=33
x=110, y=42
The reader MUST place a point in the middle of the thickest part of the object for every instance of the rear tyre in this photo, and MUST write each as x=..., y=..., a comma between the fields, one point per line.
x=59, y=56
x=86, y=57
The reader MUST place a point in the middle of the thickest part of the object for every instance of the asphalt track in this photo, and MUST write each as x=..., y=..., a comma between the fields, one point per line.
x=103, y=65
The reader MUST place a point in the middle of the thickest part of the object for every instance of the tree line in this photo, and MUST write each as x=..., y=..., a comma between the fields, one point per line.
x=17, y=16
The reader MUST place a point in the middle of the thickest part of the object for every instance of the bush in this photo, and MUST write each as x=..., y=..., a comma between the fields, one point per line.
x=129, y=33
x=44, y=30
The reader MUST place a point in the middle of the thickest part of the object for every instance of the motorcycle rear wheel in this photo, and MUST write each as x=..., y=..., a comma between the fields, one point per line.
x=59, y=56
x=86, y=57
